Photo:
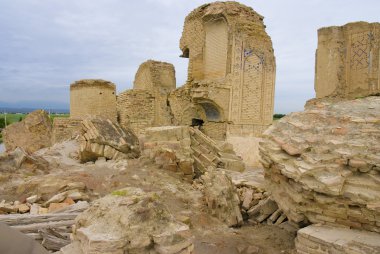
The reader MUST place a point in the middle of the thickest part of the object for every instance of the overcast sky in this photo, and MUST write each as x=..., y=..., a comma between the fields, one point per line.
x=47, y=44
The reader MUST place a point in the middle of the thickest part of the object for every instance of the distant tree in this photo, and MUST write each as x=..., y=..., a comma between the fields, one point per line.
x=2, y=123
x=278, y=116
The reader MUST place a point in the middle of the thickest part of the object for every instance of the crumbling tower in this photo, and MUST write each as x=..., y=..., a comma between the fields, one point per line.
x=231, y=73
x=146, y=105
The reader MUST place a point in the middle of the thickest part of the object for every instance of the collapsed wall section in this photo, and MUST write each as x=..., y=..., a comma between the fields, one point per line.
x=348, y=61
x=136, y=109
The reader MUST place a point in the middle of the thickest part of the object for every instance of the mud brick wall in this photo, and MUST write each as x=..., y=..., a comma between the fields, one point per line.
x=65, y=128
x=227, y=45
x=93, y=98
x=136, y=110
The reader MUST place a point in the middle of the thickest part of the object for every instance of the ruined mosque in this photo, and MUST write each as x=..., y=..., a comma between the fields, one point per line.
x=201, y=167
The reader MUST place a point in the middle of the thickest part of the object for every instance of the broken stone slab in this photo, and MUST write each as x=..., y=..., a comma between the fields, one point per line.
x=263, y=210
x=128, y=221
x=313, y=238
x=32, y=199
x=334, y=180
x=221, y=197
x=172, y=244
x=104, y=138
x=248, y=195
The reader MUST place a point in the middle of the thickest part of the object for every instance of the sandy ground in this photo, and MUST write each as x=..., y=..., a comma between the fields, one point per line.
x=178, y=193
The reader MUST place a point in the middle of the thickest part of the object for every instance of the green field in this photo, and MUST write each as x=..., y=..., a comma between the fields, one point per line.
x=12, y=118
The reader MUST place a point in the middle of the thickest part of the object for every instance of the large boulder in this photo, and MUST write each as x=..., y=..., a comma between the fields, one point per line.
x=12, y=161
x=104, y=138
x=222, y=197
x=31, y=134
x=129, y=221
x=323, y=164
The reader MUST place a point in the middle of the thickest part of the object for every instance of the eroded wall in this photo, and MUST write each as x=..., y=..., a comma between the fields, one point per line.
x=136, y=109
x=154, y=80
x=347, y=60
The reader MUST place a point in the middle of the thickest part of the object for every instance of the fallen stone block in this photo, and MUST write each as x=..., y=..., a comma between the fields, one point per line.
x=324, y=239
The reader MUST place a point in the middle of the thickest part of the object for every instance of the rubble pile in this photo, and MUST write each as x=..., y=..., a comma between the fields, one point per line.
x=19, y=159
x=129, y=221
x=169, y=147
x=206, y=152
x=257, y=207
x=221, y=197
x=104, y=138
x=322, y=164
x=51, y=228
x=32, y=133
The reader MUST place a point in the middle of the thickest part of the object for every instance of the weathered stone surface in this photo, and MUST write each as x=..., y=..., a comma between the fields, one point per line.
x=65, y=129
x=104, y=138
x=129, y=221
x=207, y=152
x=221, y=197
x=324, y=240
x=146, y=105
x=332, y=178
x=347, y=64
x=215, y=91
x=19, y=159
x=169, y=147
x=93, y=97
x=32, y=133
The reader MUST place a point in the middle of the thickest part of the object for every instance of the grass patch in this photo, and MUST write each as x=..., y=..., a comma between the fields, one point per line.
x=120, y=193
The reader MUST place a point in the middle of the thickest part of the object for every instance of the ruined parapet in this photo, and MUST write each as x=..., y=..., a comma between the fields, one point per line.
x=93, y=97
x=322, y=165
x=231, y=66
x=136, y=109
x=348, y=61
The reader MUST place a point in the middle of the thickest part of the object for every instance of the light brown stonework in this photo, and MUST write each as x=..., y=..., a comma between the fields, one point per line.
x=93, y=97
x=65, y=129
x=347, y=61
x=231, y=72
x=146, y=104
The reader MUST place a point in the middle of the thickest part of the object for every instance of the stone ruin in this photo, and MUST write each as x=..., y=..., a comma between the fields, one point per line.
x=348, y=61
x=231, y=71
x=321, y=166
x=146, y=105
